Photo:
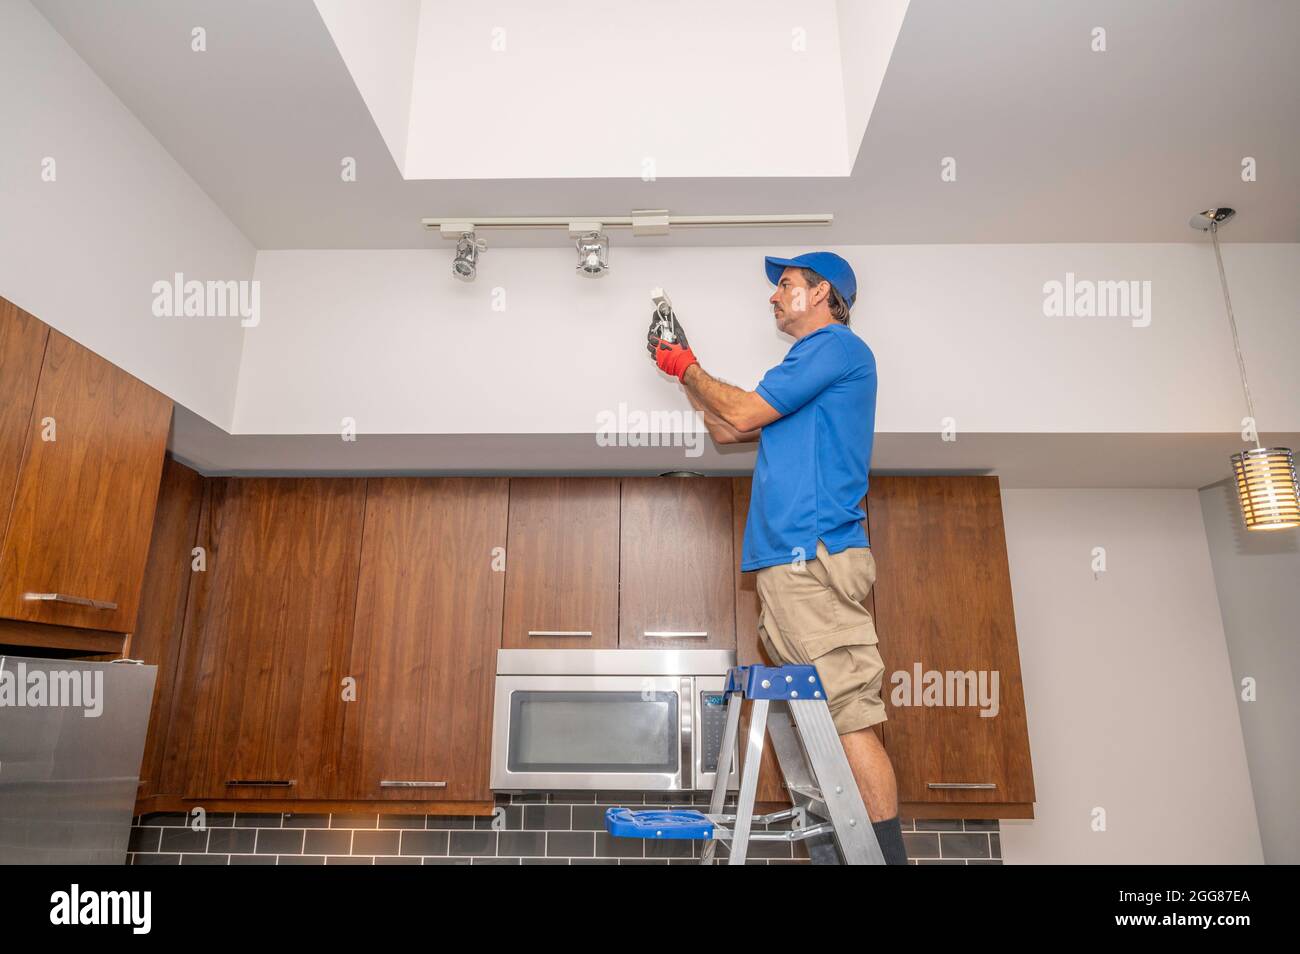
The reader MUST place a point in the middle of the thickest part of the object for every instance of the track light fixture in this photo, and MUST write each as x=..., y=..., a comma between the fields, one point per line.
x=592, y=240
x=465, y=265
x=593, y=254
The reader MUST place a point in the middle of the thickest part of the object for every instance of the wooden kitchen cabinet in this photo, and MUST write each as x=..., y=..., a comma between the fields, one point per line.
x=22, y=349
x=161, y=620
x=943, y=603
x=427, y=628
x=562, y=560
x=676, y=564
x=266, y=643
x=82, y=502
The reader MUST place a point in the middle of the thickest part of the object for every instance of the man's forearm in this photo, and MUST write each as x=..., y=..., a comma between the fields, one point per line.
x=720, y=430
x=726, y=401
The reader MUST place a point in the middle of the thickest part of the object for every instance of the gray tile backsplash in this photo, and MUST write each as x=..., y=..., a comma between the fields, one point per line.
x=537, y=828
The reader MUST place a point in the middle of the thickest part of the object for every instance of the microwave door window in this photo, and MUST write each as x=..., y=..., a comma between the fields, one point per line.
x=604, y=731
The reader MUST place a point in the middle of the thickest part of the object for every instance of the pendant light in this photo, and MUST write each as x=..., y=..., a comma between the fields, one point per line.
x=1265, y=476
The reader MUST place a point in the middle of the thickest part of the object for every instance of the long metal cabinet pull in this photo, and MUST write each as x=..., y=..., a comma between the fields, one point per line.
x=73, y=600
x=391, y=783
x=261, y=782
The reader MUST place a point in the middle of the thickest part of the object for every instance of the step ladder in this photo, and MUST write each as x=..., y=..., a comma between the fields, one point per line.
x=827, y=810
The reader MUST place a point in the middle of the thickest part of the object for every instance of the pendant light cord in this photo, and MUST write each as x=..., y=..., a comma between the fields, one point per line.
x=1236, y=342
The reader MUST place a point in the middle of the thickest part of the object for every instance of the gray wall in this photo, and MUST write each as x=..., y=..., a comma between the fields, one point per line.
x=1128, y=684
x=1256, y=576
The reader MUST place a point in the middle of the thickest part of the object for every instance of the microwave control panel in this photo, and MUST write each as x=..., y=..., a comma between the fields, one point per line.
x=713, y=720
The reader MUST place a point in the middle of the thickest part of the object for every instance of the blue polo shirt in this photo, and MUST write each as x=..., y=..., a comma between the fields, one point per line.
x=812, y=465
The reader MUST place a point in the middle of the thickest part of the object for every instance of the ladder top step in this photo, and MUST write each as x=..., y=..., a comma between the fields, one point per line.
x=776, y=682
x=682, y=823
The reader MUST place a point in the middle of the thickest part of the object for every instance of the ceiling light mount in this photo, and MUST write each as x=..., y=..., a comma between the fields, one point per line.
x=1210, y=218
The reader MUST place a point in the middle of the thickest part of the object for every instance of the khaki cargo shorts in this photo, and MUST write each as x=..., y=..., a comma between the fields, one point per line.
x=814, y=616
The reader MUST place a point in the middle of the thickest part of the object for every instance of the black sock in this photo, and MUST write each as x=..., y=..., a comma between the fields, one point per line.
x=889, y=833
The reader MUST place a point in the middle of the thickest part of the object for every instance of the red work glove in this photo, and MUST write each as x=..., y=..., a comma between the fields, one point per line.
x=674, y=356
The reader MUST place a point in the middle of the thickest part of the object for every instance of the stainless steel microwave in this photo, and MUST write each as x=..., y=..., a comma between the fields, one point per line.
x=609, y=719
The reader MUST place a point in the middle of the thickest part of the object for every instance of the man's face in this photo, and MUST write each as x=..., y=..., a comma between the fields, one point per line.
x=792, y=300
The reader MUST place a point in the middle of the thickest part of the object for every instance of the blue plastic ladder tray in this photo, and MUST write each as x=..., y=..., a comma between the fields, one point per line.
x=683, y=823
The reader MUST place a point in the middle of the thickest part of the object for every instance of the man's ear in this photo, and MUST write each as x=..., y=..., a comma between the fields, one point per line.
x=818, y=290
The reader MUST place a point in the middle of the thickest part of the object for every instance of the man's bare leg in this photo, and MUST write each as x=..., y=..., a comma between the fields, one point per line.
x=873, y=772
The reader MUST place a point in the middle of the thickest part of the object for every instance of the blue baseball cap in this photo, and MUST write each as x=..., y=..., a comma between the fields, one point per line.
x=826, y=264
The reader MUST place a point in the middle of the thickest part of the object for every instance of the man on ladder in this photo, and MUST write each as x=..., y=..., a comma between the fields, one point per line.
x=813, y=416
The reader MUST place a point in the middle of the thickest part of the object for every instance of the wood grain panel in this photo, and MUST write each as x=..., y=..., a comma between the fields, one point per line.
x=84, y=502
x=161, y=620
x=267, y=639
x=676, y=563
x=428, y=625
x=943, y=601
x=22, y=349
x=20, y=638
x=562, y=563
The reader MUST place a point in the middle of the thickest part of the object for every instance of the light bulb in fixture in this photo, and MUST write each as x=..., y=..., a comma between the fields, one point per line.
x=1266, y=488
x=593, y=254
x=465, y=265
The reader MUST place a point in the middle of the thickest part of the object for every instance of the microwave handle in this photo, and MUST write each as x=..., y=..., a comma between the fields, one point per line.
x=686, y=720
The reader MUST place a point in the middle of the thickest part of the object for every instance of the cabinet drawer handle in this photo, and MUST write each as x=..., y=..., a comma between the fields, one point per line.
x=261, y=782
x=678, y=634
x=390, y=783
x=960, y=785
x=74, y=600
x=559, y=632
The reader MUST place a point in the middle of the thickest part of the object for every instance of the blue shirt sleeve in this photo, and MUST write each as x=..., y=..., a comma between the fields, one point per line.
x=805, y=373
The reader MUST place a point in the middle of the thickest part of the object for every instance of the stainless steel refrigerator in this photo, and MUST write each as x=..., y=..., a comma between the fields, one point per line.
x=71, y=740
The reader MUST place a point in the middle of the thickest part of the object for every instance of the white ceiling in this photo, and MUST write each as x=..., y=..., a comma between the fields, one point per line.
x=1053, y=142
x=455, y=89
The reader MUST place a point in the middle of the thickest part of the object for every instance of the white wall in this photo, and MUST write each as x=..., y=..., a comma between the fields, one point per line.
x=1128, y=687
x=377, y=43
x=82, y=252
x=867, y=34
x=390, y=338
x=1255, y=575
x=716, y=98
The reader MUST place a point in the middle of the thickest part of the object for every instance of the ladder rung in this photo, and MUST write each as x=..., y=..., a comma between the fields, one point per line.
x=724, y=834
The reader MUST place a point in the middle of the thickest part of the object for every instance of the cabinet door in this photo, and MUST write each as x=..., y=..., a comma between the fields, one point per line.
x=677, y=567
x=266, y=645
x=161, y=620
x=562, y=564
x=22, y=348
x=943, y=604
x=84, y=502
x=428, y=625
